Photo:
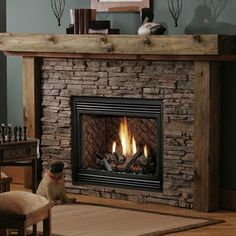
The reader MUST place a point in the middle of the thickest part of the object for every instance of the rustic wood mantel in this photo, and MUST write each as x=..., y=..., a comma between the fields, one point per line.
x=178, y=47
x=207, y=51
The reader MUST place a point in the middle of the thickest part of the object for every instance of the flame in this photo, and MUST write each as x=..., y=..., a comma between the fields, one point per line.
x=134, y=149
x=113, y=146
x=145, y=151
x=128, y=142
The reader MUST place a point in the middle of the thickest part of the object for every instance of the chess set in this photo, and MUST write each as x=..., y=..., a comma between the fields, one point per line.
x=16, y=149
x=10, y=134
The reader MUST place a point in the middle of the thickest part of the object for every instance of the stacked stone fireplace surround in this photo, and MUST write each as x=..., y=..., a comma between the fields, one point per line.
x=170, y=81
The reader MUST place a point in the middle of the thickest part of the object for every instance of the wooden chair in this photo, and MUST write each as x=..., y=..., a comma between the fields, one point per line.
x=5, y=184
x=19, y=210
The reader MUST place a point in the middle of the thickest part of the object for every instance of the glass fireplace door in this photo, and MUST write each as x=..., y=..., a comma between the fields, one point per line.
x=117, y=142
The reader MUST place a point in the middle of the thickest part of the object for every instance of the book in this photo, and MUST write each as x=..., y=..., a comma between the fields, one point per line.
x=99, y=24
x=72, y=16
x=99, y=31
x=89, y=15
x=76, y=21
x=81, y=21
x=70, y=29
x=104, y=31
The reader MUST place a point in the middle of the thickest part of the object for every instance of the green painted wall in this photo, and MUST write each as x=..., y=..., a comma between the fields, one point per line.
x=3, y=79
x=197, y=17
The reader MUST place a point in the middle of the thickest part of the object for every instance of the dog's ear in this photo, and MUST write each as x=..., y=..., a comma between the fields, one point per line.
x=51, y=167
x=62, y=164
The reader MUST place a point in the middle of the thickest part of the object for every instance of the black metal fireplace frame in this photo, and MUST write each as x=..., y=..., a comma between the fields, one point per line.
x=132, y=107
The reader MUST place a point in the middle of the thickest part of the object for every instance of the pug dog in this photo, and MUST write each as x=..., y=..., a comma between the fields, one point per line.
x=52, y=185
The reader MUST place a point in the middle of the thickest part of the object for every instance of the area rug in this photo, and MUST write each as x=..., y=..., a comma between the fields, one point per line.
x=95, y=220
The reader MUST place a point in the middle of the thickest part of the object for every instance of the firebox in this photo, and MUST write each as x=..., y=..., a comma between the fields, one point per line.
x=117, y=142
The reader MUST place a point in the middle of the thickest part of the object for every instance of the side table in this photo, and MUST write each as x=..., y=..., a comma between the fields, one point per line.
x=21, y=153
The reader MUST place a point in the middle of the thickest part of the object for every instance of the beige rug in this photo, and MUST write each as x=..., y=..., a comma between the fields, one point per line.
x=94, y=220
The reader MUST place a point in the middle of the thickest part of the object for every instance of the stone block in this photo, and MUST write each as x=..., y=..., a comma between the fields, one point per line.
x=185, y=85
x=106, y=195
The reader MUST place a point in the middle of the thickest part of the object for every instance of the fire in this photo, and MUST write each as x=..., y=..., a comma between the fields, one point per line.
x=128, y=142
x=134, y=149
x=113, y=146
x=145, y=151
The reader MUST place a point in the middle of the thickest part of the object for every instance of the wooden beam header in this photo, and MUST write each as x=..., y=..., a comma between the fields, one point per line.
x=200, y=45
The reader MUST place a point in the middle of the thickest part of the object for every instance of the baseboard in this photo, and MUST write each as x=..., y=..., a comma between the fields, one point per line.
x=228, y=199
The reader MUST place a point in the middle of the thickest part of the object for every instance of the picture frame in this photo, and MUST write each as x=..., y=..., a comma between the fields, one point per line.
x=119, y=5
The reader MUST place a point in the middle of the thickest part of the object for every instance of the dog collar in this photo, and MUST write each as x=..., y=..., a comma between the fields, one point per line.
x=55, y=178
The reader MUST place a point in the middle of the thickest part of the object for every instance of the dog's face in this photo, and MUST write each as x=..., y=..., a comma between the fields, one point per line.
x=56, y=167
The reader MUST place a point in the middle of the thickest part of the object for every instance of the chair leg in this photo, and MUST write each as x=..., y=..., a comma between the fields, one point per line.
x=22, y=231
x=47, y=225
x=35, y=230
x=3, y=232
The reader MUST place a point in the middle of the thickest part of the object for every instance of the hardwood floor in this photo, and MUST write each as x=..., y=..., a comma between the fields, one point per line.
x=228, y=228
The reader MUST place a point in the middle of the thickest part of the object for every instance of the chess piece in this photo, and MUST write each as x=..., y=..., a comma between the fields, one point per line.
x=24, y=133
x=15, y=133
x=3, y=132
x=20, y=134
x=9, y=132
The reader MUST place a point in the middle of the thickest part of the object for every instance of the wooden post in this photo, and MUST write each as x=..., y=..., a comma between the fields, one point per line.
x=31, y=103
x=31, y=95
x=207, y=136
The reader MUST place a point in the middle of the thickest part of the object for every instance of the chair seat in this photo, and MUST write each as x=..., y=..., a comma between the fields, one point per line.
x=20, y=202
x=19, y=210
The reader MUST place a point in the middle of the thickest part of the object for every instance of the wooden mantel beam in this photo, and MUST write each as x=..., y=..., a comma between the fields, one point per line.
x=118, y=44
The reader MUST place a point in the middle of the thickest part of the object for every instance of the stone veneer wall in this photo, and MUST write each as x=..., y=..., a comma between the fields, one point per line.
x=168, y=80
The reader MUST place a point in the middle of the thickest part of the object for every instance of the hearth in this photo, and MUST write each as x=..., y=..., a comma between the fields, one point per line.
x=117, y=142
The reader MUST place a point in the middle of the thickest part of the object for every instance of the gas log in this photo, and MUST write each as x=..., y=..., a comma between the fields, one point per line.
x=116, y=162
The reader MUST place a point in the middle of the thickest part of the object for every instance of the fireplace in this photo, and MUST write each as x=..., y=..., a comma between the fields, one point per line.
x=159, y=100
x=183, y=71
x=117, y=142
